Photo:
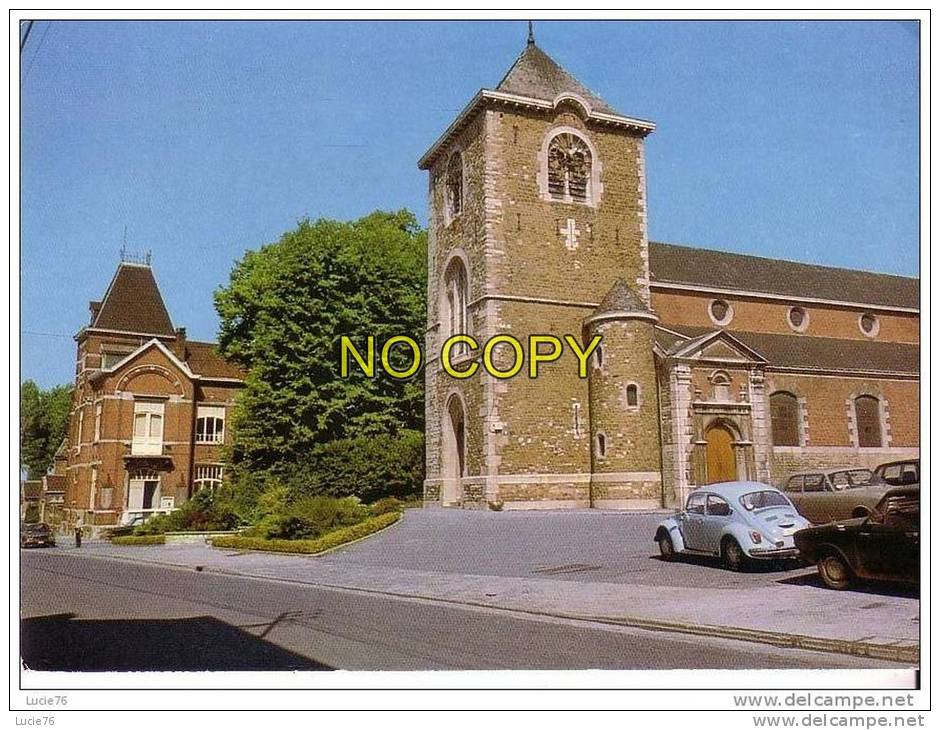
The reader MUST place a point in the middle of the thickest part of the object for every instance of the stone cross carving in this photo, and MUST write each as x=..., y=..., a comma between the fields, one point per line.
x=570, y=231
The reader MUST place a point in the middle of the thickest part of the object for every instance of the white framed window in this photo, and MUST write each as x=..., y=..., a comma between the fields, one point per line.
x=210, y=424
x=81, y=424
x=798, y=319
x=93, y=493
x=720, y=311
x=143, y=491
x=148, y=428
x=207, y=476
x=98, y=421
x=869, y=324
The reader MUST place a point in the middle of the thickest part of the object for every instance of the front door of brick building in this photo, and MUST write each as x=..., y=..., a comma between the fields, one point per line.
x=720, y=462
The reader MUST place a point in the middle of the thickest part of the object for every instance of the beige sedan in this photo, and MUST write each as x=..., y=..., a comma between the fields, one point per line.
x=840, y=494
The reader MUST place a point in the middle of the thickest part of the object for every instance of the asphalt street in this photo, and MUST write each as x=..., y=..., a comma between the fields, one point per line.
x=88, y=614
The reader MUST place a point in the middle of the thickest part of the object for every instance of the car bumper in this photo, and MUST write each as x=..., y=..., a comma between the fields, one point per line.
x=773, y=553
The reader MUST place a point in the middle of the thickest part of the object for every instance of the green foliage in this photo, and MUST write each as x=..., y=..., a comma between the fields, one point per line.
x=309, y=517
x=328, y=541
x=138, y=540
x=282, y=314
x=44, y=419
x=368, y=468
x=199, y=514
x=32, y=514
x=387, y=505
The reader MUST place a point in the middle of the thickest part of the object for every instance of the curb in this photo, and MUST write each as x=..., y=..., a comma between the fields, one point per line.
x=904, y=654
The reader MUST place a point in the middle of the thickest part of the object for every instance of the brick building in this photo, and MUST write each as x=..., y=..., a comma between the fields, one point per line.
x=150, y=408
x=712, y=366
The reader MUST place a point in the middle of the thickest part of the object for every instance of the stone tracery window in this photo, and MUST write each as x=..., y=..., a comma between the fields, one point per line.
x=569, y=169
x=453, y=186
x=456, y=296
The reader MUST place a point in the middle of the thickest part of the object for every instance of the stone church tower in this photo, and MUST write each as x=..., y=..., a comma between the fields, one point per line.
x=538, y=227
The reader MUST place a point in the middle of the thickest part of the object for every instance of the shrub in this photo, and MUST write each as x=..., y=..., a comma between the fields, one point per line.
x=386, y=505
x=328, y=541
x=199, y=514
x=138, y=540
x=389, y=465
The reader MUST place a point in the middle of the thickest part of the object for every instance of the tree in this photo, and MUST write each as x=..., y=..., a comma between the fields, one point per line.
x=283, y=313
x=44, y=419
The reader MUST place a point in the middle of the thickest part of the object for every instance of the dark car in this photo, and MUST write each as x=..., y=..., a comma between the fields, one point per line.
x=900, y=473
x=38, y=534
x=883, y=546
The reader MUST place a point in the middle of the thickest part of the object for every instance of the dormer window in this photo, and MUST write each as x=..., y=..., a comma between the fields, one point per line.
x=453, y=186
x=569, y=169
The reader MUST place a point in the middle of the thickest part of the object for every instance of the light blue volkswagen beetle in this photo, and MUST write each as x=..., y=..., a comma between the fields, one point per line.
x=736, y=521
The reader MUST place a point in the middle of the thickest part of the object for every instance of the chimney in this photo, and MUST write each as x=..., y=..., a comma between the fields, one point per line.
x=179, y=344
x=94, y=308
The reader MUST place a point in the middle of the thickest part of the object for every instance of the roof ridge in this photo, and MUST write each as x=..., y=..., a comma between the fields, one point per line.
x=780, y=260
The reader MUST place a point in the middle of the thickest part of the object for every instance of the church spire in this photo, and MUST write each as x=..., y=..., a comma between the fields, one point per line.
x=531, y=39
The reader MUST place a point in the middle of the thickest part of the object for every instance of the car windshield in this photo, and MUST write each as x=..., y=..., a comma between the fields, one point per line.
x=852, y=478
x=763, y=499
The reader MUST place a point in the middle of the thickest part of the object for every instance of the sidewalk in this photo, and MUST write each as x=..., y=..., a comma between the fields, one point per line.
x=878, y=625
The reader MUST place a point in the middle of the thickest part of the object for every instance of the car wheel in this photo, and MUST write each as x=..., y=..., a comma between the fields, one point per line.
x=732, y=555
x=861, y=512
x=835, y=572
x=666, y=549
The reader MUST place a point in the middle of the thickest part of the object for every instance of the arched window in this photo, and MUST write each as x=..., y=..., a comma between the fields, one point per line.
x=455, y=302
x=633, y=395
x=784, y=419
x=454, y=186
x=569, y=169
x=868, y=421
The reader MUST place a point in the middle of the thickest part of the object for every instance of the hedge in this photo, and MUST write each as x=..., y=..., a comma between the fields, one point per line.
x=138, y=540
x=326, y=542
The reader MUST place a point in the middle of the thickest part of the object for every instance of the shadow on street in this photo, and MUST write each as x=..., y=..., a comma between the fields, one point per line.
x=752, y=566
x=897, y=590
x=60, y=642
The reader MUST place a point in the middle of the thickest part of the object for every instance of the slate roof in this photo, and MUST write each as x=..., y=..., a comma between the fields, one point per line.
x=723, y=270
x=820, y=353
x=537, y=75
x=133, y=303
x=620, y=298
x=204, y=359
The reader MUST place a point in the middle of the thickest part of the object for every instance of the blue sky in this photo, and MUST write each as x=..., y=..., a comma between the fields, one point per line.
x=795, y=140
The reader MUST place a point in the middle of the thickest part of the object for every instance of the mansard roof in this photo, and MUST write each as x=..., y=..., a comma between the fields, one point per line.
x=734, y=272
x=803, y=352
x=537, y=75
x=133, y=303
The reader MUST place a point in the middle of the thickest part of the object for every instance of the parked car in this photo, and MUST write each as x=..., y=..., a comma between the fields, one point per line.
x=36, y=534
x=883, y=546
x=900, y=473
x=838, y=494
x=736, y=521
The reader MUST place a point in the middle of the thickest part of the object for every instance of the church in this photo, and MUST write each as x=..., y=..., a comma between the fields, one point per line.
x=712, y=366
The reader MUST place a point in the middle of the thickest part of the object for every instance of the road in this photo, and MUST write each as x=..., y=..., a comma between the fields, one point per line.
x=92, y=614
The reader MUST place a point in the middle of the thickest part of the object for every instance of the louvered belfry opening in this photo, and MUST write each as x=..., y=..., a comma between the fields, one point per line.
x=569, y=168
